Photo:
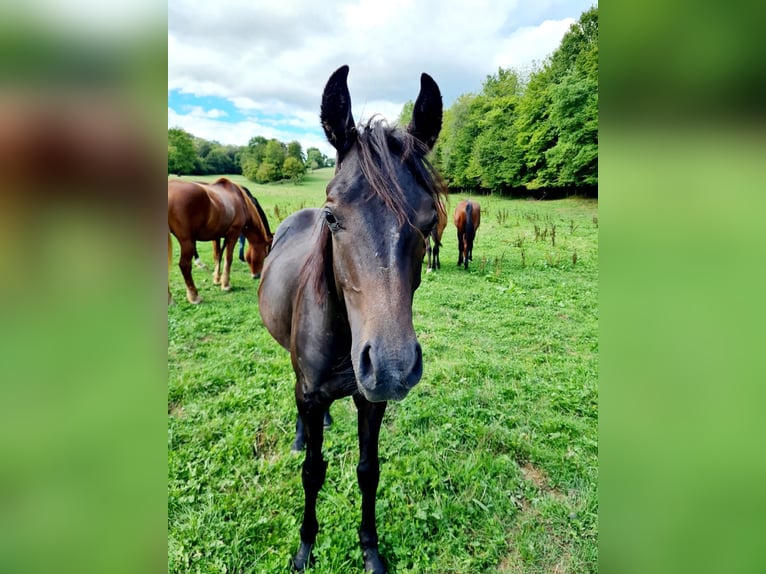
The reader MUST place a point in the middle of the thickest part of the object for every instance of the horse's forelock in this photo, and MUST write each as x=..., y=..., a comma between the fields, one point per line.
x=379, y=146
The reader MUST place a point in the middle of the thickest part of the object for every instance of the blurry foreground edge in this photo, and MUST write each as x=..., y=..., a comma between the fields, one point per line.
x=82, y=319
x=682, y=172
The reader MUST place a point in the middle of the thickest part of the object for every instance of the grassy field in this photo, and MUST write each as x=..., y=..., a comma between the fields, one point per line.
x=489, y=465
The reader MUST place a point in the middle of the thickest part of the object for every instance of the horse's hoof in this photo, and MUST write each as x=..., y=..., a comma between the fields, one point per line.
x=297, y=447
x=373, y=562
x=302, y=557
x=195, y=300
x=225, y=287
x=327, y=420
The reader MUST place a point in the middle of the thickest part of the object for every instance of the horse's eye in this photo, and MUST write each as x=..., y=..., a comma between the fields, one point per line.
x=331, y=220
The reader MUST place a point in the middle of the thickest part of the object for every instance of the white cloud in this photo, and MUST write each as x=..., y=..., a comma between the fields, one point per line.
x=200, y=112
x=531, y=43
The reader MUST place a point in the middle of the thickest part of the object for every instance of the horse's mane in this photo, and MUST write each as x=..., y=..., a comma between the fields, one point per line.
x=378, y=147
x=261, y=213
x=257, y=216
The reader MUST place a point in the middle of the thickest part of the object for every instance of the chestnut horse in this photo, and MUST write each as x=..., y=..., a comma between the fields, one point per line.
x=338, y=285
x=251, y=252
x=435, y=237
x=208, y=212
x=467, y=218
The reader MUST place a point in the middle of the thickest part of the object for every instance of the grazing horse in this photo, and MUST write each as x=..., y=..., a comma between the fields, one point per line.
x=199, y=263
x=436, y=237
x=467, y=218
x=208, y=212
x=338, y=285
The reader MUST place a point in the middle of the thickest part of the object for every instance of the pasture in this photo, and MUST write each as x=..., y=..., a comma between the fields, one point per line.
x=490, y=463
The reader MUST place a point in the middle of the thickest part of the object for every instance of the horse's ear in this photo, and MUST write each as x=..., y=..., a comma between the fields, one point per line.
x=426, y=120
x=337, y=121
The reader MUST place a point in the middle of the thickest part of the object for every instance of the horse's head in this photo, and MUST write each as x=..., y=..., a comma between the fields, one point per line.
x=382, y=202
x=255, y=254
x=258, y=234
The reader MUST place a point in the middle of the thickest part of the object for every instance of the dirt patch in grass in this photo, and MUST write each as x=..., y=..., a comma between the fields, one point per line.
x=539, y=478
x=175, y=410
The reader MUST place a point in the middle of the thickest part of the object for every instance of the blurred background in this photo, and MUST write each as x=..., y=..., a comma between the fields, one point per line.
x=681, y=372
x=82, y=317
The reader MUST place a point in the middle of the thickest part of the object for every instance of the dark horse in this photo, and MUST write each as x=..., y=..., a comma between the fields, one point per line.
x=435, y=237
x=337, y=288
x=467, y=218
x=208, y=212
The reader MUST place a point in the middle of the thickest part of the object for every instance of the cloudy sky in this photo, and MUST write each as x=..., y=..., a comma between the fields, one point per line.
x=241, y=68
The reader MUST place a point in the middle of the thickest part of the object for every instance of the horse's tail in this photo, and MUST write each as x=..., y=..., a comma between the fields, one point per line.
x=470, y=232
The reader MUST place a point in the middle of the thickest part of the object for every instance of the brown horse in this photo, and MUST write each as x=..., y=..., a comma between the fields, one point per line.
x=435, y=237
x=208, y=212
x=338, y=285
x=467, y=219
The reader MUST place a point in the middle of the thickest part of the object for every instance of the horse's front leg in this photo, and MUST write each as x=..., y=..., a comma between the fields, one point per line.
x=370, y=417
x=459, y=248
x=313, y=475
x=216, y=261
x=229, y=244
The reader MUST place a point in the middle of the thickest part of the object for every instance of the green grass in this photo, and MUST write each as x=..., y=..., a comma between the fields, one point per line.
x=489, y=465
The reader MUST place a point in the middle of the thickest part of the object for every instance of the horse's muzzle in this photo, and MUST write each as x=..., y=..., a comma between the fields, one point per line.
x=387, y=375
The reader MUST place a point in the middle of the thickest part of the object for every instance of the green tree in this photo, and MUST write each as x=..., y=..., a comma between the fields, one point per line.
x=495, y=157
x=573, y=160
x=295, y=150
x=266, y=172
x=535, y=134
x=293, y=168
x=460, y=127
x=405, y=116
x=557, y=123
x=536, y=131
x=181, y=153
x=221, y=160
x=249, y=167
x=275, y=154
x=315, y=158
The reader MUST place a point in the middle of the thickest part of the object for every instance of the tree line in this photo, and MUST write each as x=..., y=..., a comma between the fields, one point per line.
x=528, y=132
x=261, y=160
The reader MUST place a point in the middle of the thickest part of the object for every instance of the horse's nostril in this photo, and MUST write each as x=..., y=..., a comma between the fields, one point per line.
x=365, y=361
x=417, y=368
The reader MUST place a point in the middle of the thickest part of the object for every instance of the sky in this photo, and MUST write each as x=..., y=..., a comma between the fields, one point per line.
x=244, y=68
